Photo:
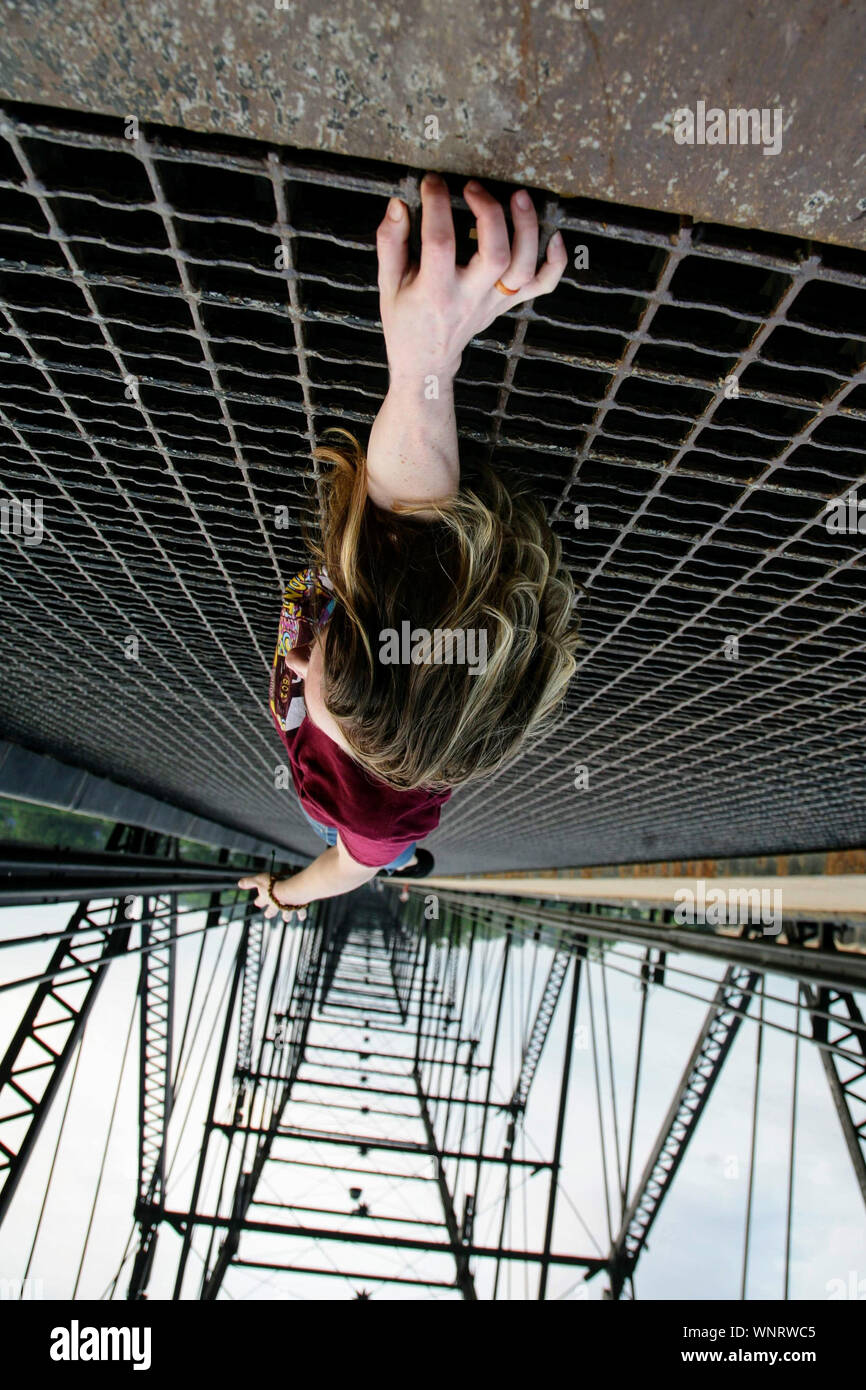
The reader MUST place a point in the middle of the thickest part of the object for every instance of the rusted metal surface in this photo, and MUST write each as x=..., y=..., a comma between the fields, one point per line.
x=835, y=894
x=577, y=100
x=850, y=861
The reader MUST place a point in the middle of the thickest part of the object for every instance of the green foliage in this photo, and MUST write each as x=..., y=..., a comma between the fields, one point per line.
x=24, y=822
x=43, y=827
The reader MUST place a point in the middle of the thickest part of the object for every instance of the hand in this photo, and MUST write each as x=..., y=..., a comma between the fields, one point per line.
x=430, y=312
x=282, y=891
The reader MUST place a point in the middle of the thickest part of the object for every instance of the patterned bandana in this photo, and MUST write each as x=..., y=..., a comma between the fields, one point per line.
x=308, y=602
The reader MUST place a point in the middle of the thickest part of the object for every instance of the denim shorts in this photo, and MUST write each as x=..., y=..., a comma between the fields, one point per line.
x=329, y=835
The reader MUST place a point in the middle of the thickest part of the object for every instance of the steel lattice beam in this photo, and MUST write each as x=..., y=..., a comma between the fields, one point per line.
x=253, y=946
x=156, y=1095
x=53, y=1025
x=846, y=1077
x=156, y=989
x=730, y=1003
x=540, y=1028
x=315, y=935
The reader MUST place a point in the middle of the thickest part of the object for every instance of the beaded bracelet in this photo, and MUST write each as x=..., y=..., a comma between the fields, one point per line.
x=284, y=907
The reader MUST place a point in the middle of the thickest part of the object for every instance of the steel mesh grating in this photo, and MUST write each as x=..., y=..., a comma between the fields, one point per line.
x=162, y=385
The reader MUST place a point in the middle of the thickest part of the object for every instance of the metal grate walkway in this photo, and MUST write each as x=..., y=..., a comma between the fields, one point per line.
x=162, y=384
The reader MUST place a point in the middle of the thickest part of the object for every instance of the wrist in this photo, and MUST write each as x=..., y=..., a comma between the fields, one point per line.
x=417, y=380
x=281, y=893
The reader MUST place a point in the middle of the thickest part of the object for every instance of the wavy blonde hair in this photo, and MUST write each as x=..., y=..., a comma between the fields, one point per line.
x=488, y=561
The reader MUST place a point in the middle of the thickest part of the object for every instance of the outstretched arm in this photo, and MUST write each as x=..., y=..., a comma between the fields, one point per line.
x=429, y=313
x=332, y=873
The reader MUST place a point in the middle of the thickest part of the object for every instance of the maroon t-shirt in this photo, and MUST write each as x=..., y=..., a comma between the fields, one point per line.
x=376, y=822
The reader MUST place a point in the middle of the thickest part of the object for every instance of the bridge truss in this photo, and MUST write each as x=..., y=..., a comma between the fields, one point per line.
x=404, y=1095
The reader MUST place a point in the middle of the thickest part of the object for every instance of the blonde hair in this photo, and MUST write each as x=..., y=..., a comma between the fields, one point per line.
x=488, y=562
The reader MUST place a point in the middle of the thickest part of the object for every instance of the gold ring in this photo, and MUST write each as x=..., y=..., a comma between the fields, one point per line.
x=503, y=289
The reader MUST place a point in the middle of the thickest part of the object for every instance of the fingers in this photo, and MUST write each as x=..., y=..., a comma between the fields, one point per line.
x=514, y=265
x=549, y=274
x=524, y=251
x=259, y=882
x=392, y=246
x=438, y=242
x=493, y=256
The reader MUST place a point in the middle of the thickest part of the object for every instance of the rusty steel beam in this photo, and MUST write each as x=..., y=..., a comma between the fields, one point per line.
x=578, y=98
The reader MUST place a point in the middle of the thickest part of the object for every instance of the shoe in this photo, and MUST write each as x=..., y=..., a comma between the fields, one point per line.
x=419, y=870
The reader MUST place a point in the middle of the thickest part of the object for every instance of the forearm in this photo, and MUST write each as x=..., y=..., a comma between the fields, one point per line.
x=326, y=877
x=430, y=313
x=412, y=451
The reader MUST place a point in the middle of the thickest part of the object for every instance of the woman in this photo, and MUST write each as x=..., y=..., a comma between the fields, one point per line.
x=388, y=731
